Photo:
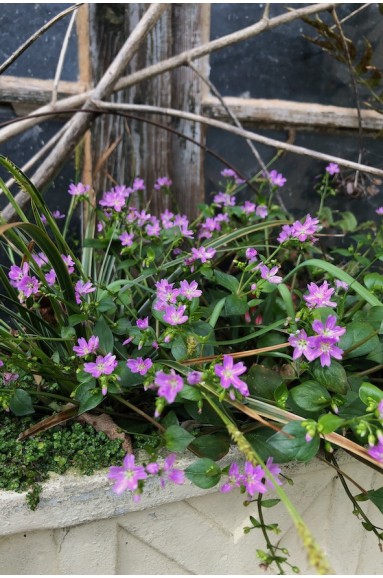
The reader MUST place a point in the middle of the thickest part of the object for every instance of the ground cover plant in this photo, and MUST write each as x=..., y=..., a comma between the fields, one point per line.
x=244, y=327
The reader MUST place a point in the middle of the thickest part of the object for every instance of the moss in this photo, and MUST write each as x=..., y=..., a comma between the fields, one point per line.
x=24, y=465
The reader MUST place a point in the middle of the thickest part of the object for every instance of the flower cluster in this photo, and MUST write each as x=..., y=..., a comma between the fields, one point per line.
x=300, y=231
x=253, y=478
x=130, y=476
x=322, y=345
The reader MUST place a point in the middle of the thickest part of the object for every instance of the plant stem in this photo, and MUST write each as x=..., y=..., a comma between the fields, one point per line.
x=140, y=412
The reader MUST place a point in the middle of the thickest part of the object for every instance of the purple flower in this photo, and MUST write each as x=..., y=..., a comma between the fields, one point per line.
x=85, y=347
x=8, y=377
x=68, y=262
x=16, y=274
x=248, y=207
x=261, y=211
x=325, y=348
x=83, y=288
x=224, y=200
x=235, y=479
x=114, y=199
x=203, y=254
x=126, y=476
x=165, y=294
x=380, y=409
x=41, y=259
x=228, y=373
x=170, y=474
x=194, y=377
x=57, y=215
x=376, y=451
x=77, y=190
x=168, y=385
x=143, y=323
x=379, y=211
x=102, y=366
x=319, y=296
x=301, y=345
x=277, y=178
x=303, y=231
x=189, y=290
x=153, y=468
x=28, y=286
x=138, y=184
x=51, y=277
x=274, y=470
x=252, y=479
x=175, y=316
x=329, y=329
x=126, y=239
x=251, y=254
x=162, y=182
x=341, y=284
x=269, y=274
x=332, y=169
x=286, y=233
x=139, y=365
x=229, y=173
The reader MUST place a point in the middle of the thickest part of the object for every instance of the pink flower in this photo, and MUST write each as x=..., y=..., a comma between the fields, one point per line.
x=251, y=254
x=83, y=288
x=68, y=262
x=274, y=470
x=194, y=377
x=170, y=474
x=16, y=274
x=332, y=169
x=162, y=182
x=329, y=329
x=175, y=316
x=376, y=451
x=248, y=207
x=252, y=479
x=189, y=290
x=85, y=347
x=102, y=366
x=341, y=284
x=203, y=254
x=168, y=385
x=235, y=479
x=277, y=178
x=302, y=346
x=126, y=239
x=228, y=373
x=138, y=184
x=269, y=274
x=77, y=190
x=261, y=211
x=28, y=286
x=114, y=199
x=325, y=348
x=143, y=323
x=224, y=200
x=139, y=365
x=319, y=296
x=127, y=476
x=304, y=231
x=51, y=277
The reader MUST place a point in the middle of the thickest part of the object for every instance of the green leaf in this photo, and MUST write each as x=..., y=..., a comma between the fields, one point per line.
x=369, y=392
x=190, y=393
x=213, y=446
x=21, y=403
x=263, y=381
x=67, y=332
x=373, y=281
x=105, y=335
x=179, y=349
x=106, y=304
x=177, y=438
x=330, y=423
x=376, y=497
x=270, y=503
x=227, y=281
x=356, y=332
x=348, y=222
x=204, y=473
x=311, y=396
x=217, y=312
x=235, y=305
x=294, y=445
x=89, y=396
x=333, y=378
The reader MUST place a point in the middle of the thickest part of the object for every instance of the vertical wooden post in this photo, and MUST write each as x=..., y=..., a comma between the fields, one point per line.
x=191, y=27
x=122, y=149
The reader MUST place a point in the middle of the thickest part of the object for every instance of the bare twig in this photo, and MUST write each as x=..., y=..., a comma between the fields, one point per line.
x=240, y=132
x=61, y=59
x=35, y=36
x=79, y=124
x=169, y=64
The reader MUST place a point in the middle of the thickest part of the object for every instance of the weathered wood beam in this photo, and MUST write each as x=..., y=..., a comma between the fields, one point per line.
x=284, y=113
x=35, y=91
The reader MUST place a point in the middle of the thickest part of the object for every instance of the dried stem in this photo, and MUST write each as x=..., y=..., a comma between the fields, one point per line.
x=240, y=132
x=61, y=59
